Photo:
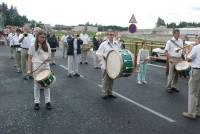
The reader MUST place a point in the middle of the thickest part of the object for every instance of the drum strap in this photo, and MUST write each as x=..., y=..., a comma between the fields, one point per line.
x=176, y=44
x=38, y=67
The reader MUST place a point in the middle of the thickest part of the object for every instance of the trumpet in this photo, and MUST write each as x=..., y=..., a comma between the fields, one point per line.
x=188, y=47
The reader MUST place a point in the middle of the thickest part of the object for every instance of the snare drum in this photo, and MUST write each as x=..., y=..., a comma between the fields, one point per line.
x=119, y=64
x=182, y=66
x=45, y=78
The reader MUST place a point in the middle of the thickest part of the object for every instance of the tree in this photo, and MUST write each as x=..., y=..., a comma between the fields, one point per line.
x=160, y=22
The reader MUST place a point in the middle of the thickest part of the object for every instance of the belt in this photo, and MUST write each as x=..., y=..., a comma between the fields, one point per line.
x=195, y=68
x=24, y=48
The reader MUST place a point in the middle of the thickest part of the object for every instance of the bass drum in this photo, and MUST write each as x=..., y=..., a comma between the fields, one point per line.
x=119, y=64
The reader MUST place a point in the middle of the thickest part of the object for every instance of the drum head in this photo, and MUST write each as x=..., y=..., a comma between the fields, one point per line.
x=113, y=64
x=183, y=65
x=42, y=75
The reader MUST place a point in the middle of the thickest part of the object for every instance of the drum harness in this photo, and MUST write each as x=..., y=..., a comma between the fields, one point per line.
x=38, y=67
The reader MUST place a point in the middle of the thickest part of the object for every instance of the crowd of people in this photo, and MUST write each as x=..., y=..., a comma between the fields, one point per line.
x=34, y=50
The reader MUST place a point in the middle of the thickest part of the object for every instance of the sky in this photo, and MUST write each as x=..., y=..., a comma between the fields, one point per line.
x=108, y=12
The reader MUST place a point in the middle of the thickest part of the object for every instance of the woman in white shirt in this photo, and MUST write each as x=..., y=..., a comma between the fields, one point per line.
x=39, y=53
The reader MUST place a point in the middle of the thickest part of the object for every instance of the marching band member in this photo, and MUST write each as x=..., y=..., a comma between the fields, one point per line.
x=96, y=43
x=10, y=38
x=142, y=60
x=102, y=52
x=35, y=31
x=38, y=53
x=15, y=42
x=84, y=48
x=194, y=83
x=73, y=52
x=52, y=40
x=25, y=39
x=174, y=57
x=63, y=42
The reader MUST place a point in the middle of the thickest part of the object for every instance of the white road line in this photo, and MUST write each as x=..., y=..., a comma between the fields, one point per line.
x=145, y=108
x=131, y=101
x=154, y=65
x=68, y=69
x=64, y=67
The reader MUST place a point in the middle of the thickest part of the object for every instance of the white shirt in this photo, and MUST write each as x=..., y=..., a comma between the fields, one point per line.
x=103, y=50
x=39, y=56
x=84, y=38
x=10, y=37
x=171, y=47
x=75, y=45
x=194, y=56
x=15, y=41
x=64, y=39
x=27, y=41
x=143, y=55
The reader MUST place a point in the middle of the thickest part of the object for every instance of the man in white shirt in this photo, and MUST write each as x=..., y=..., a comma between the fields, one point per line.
x=63, y=41
x=12, y=47
x=104, y=49
x=194, y=83
x=15, y=42
x=26, y=40
x=85, y=38
x=174, y=56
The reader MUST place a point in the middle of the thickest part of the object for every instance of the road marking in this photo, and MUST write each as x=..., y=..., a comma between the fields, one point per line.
x=68, y=69
x=145, y=108
x=131, y=101
x=154, y=65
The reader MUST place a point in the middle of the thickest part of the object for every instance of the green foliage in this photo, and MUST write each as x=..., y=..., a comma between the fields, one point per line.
x=12, y=17
x=160, y=22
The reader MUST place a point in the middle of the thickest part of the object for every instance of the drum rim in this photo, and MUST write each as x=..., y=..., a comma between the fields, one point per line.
x=121, y=61
x=44, y=77
x=183, y=62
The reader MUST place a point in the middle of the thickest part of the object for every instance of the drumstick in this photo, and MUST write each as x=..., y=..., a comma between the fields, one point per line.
x=38, y=67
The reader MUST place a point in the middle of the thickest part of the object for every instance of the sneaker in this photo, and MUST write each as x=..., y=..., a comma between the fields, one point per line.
x=37, y=106
x=77, y=75
x=48, y=106
x=145, y=82
x=139, y=82
x=189, y=115
x=81, y=63
x=86, y=62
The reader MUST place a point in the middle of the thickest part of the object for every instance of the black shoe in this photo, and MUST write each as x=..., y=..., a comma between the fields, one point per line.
x=112, y=96
x=77, y=75
x=69, y=75
x=175, y=89
x=81, y=63
x=25, y=78
x=37, y=106
x=86, y=62
x=31, y=77
x=169, y=90
x=48, y=106
x=53, y=63
x=104, y=97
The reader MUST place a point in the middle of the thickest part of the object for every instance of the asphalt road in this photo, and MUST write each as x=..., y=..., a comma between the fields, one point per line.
x=79, y=109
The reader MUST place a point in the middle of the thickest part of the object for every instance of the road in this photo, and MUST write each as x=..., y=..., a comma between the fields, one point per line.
x=79, y=109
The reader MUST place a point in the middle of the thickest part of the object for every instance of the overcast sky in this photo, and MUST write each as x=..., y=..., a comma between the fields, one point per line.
x=108, y=12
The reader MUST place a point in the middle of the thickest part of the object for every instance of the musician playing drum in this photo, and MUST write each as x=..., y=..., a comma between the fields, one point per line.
x=194, y=83
x=102, y=52
x=174, y=57
x=38, y=54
